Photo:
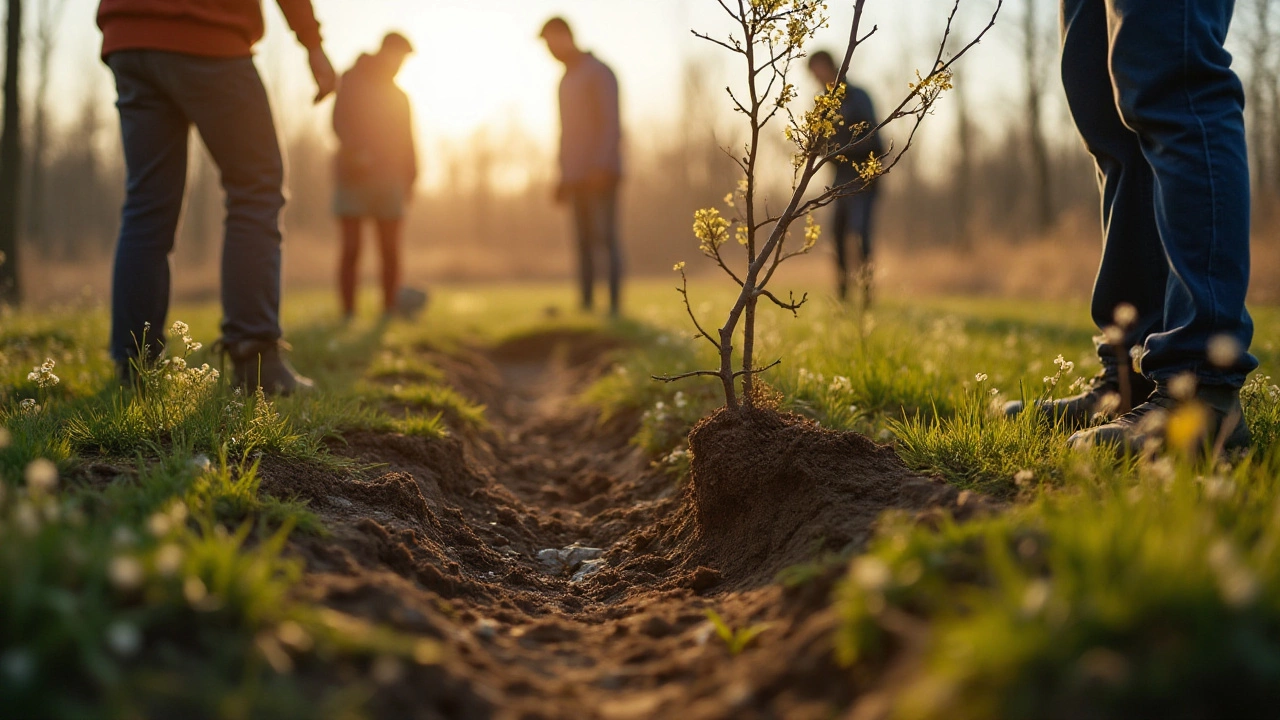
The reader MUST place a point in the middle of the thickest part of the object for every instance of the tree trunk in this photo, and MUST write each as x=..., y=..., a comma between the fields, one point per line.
x=1257, y=100
x=1040, y=161
x=10, y=159
x=963, y=173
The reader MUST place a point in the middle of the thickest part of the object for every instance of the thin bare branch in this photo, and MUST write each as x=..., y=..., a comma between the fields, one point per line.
x=757, y=371
x=684, y=293
x=685, y=376
x=794, y=306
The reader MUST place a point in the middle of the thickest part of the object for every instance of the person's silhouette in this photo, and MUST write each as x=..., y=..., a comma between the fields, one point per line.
x=1152, y=92
x=590, y=158
x=376, y=165
x=852, y=214
x=180, y=63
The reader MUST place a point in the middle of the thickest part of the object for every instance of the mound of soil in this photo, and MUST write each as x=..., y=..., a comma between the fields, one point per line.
x=442, y=537
x=771, y=490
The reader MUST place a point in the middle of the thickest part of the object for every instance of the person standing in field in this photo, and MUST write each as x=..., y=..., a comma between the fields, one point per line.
x=852, y=215
x=1151, y=89
x=376, y=167
x=590, y=159
x=179, y=63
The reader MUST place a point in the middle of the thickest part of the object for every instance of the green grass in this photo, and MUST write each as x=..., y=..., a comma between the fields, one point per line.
x=1104, y=589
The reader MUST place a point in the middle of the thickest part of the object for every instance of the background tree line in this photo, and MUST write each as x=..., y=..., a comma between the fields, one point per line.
x=1012, y=175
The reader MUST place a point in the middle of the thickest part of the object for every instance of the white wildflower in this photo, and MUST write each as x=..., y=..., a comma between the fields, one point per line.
x=125, y=572
x=124, y=638
x=17, y=666
x=41, y=476
x=168, y=560
x=871, y=573
x=43, y=375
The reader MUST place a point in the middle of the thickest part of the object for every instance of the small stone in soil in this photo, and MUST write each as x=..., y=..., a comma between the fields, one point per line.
x=569, y=558
x=486, y=629
x=587, y=569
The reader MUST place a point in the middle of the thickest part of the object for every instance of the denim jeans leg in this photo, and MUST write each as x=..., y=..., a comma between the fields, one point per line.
x=226, y=100
x=868, y=224
x=584, y=234
x=1175, y=88
x=606, y=202
x=1134, y=270
x=154, y=132
x=840, y=236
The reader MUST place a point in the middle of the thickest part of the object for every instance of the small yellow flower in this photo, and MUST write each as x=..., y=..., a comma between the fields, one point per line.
x=711, y=229
x=812, y=232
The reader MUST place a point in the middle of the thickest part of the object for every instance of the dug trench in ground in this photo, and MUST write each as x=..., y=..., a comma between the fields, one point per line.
x=442, y=537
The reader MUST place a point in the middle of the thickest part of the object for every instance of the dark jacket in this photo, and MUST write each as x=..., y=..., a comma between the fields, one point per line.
x=207, y=28
x=857, y=108
x=374, y=124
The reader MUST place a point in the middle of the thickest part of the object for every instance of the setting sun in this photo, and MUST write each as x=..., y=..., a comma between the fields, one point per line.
x=459, y=84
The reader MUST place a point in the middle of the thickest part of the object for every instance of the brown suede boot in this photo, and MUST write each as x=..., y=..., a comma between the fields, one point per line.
x=1101, y=400
x=262, y=364
x=1212, y=418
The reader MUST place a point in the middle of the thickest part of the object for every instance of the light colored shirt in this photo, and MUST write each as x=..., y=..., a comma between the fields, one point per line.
x=590, y=122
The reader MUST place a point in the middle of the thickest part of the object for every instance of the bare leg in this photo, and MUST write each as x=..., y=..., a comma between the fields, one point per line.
x=389, y=241
x=349, y=266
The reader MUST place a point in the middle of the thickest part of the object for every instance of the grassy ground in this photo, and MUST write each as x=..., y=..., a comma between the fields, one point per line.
x=142, y=573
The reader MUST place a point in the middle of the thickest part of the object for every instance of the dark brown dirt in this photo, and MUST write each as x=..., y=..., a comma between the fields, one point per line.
x=441, y=538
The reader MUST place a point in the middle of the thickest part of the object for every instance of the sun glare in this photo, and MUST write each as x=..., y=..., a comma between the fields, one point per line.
x=459, y=85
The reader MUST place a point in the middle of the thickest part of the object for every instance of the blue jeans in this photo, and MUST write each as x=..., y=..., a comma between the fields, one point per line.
x=161, y=95
x=1151, y=89
x=595, y=214
x=852, y=215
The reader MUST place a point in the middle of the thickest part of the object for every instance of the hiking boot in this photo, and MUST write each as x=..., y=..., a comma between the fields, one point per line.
x=1102, y=399
x=1163, y=422
x=262, y=364
x=126, y=374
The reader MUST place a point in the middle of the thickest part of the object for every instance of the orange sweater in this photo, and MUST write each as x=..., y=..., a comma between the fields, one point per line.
x=208, y=28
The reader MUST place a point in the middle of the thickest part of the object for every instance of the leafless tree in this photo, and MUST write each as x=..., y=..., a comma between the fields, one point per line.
x=769, y=36
x=962, y=176
x=1263, y=75
x=11, y=159
x=1037, y=54
x=48, y=15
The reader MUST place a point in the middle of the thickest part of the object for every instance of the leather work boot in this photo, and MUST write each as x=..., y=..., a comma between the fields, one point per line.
x=1165, y=423
x=1102, y=399
x=261, y=363
x=126, y=374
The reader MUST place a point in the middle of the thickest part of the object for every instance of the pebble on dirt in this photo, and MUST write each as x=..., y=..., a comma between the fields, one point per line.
x=587, y=569
x=569, y=558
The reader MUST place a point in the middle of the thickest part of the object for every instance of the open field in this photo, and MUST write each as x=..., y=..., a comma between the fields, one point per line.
x=379, y=549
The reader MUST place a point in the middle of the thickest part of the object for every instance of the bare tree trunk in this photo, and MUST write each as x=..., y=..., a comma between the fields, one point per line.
x=962, y=175
x=48, y=14
x=1033, y=55
x=11, y=159
x=1259, y=53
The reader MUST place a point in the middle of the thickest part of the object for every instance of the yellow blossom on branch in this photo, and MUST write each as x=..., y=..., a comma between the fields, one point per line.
x=711, y=229
x=812, y=232
x=871, y=169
